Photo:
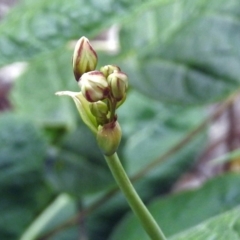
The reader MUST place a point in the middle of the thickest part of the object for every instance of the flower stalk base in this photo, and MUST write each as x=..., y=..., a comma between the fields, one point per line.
x=138, y=207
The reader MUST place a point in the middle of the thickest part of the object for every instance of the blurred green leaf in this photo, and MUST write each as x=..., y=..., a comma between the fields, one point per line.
x=57, y=212
x=153, y=128
x=72, y=173
x=78, y=167
x=23, y=191
x=35, y=27
x=174, y=51
x=184, y=210
x=82, y=142
x=21, y=202
x=22, y=148
x=33, y=94
x=188, y=53
x=224, y=226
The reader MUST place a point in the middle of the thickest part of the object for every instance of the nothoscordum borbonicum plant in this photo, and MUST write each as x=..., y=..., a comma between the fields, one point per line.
x=102, y=92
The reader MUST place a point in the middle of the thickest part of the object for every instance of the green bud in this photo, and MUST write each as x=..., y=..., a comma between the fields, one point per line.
x=109, y=137
x=94, y=86
x=109, y=69
x=118, y=83
x=99, y=109
x=84, y=58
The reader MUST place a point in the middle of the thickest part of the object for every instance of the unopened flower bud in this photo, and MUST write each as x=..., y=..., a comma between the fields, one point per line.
x=118, y=83
x=109, y=137
x=99, y=109
x=109, y=69
x=94, y=86
x=84, y=58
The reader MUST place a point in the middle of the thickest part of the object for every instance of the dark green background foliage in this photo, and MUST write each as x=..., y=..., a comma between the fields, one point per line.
x=180, y=57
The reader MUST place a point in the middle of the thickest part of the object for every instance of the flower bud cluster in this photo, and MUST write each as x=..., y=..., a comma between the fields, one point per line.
x=105, y=90
x=97, y=85
x=106, y=83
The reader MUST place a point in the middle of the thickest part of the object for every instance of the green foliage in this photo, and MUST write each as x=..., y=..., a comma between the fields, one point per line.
x=50, y=24
x=22, y=146
x=224, y=226
x=179, y=56
x=34, y=91
x=190, y=208
x=24, y=193
x=59, y=211
x=151, y=129
x=187, y=53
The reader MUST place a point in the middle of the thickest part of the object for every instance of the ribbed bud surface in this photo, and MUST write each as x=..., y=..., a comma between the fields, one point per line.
x=94, y=86
x=109, y=137
x=84, y=58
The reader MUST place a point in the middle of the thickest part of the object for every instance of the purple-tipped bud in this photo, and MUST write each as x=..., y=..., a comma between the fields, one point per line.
x=109, y=137
x=94, y=86
x=84, y=58
x=118, y=83
x=109, y=69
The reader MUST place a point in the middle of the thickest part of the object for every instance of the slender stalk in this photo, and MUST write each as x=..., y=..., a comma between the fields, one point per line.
x=186, y=139
x=138, y=207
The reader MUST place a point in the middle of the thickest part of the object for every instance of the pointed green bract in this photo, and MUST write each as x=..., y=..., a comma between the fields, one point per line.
x=83, y=108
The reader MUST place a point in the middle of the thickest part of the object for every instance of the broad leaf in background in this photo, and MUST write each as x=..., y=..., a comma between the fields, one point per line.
x=37, y=26
x=222, y=227
x=62, y=208
x=23, y=148
x=181, y=211
x=82, y=142
x=73, y=174
x=23, y=191
x=176, y=51
x=78, y=167
x=152, y=128
x=33, y=93
x=188, y=53
x=20, y=203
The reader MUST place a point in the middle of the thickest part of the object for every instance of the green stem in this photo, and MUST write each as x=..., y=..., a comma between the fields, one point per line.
x=138, y=207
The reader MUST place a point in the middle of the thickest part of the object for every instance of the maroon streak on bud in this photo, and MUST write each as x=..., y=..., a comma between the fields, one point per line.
x=109, y=137
x=94, y=86
x=84, y=58
x=118, y=83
